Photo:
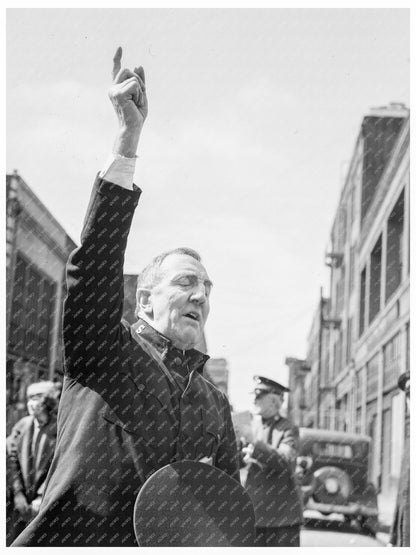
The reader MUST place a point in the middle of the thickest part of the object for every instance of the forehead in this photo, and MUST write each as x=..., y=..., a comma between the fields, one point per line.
x=38, y=389
x=176, y=264
x=263, y=394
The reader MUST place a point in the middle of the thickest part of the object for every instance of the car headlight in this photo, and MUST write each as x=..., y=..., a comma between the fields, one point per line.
x=331, y=485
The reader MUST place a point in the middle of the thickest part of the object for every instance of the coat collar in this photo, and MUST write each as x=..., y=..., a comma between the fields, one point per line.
x=192, y=358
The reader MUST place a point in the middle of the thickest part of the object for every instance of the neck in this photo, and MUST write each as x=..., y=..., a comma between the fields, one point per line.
x=270, y=416
x=173, y=341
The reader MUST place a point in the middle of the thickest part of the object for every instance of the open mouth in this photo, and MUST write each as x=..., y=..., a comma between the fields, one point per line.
x=193, y=316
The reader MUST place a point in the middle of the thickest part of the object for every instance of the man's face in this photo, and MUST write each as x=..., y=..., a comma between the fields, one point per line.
x=180, y=300
x=35, y=394
x=267, y=404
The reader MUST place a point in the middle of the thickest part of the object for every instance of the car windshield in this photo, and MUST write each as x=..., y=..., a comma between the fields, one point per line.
x=329, y=449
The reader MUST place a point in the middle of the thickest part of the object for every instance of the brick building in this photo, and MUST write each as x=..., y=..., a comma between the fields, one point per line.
x=360, y=336
x=37, y=248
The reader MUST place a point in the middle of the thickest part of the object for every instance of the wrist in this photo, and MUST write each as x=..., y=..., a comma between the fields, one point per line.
x=127, y=141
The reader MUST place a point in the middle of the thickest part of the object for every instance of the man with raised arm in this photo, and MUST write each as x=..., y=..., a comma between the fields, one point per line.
x=134, y=398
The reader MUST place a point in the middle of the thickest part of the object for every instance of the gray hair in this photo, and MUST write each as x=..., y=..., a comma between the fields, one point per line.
x=150, y=275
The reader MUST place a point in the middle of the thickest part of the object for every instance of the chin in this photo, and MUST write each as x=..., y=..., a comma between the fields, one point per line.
x=185, y=342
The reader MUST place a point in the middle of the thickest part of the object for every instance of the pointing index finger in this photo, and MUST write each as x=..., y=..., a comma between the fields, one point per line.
x=117, y=62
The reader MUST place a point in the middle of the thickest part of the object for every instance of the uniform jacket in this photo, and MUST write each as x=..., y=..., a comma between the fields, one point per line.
x=271, y=484
x=28, y=470
x=122, y=414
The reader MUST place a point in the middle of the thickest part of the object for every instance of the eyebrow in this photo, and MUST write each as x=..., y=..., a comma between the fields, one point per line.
x=207, y=281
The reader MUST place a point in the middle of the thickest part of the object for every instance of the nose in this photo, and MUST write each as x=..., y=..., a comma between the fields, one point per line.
x=199, y=293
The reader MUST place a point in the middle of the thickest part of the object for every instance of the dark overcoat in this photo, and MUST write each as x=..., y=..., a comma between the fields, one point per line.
x=122, y=415
x=28, y=469
x=271, y=482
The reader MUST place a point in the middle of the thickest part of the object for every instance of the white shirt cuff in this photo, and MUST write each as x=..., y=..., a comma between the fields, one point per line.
x=119, y=170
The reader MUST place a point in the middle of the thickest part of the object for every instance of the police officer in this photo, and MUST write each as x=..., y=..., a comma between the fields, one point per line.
x=269, y=450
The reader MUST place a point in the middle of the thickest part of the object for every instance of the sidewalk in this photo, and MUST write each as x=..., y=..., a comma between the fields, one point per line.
x=386, y=505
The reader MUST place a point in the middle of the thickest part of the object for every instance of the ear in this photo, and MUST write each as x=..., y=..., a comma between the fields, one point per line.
x=144, y=301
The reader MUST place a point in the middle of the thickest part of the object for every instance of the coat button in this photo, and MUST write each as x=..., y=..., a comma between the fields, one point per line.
x=177, y=361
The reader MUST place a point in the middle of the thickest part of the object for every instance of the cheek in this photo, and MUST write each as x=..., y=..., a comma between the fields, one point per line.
x=166, y=305
x=173, y=308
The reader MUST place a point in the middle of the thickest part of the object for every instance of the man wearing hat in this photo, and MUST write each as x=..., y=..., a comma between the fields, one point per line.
x=270, y=450
x=400, y=530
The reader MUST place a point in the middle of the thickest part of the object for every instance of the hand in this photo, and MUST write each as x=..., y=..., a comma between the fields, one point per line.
x=248, y=452
x=21, y=505
x=35, y=505
x=128, y=96
x=246, y=434
x=128, y=93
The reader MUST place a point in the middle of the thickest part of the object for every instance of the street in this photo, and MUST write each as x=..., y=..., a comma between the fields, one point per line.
x=334, y=533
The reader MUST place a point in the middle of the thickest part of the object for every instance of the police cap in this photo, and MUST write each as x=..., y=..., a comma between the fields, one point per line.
x=267, y=385
x=403, y=381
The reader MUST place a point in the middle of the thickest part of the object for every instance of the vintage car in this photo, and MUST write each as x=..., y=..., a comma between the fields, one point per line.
x=333, y=470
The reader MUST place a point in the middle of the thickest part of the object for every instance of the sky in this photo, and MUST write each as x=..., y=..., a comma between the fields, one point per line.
x=253, y=118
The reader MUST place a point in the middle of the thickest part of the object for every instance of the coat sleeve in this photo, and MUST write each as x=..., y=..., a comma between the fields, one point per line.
x=94, y=303
x=227, y=454
x=12, y=445
x=281, y=457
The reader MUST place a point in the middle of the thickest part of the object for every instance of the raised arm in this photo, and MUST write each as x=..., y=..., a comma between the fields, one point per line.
x=94, y=304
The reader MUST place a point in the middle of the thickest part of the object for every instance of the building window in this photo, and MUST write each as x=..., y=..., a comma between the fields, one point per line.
x=358, y=427
x=363, y=279
x=391, y=362
x=326, y=369
x=349, y=341
x=352, y=206
x=340, y=291
x=375, y=281
x=394, y=257
x=337, y=347
x=359, y=387
x=372, y=377
x=342, y=228
x=351, y=270
x=32, y=313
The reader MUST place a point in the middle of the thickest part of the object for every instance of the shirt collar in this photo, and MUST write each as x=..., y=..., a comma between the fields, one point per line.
x=192, y=358
x=270, y=420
